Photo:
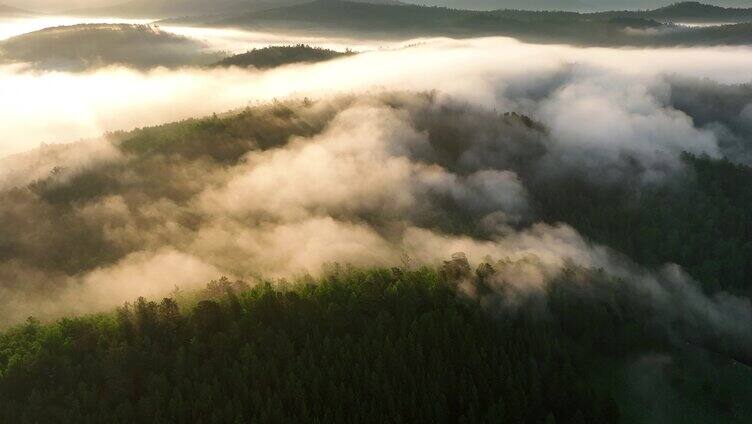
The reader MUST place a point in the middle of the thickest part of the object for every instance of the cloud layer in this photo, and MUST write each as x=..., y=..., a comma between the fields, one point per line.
x=58, y=107
x=411, y=152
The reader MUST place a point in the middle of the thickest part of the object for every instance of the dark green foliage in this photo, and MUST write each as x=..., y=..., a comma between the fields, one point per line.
x=372, y=346
x=721, y=108
x=634, y=22
x=79, y=187
x=274, y=56
x=691, y=11
x=359, y=346
x=224, y=138
x=46, y=241
x=703, y=224
x=702, y=219
x=378, y=345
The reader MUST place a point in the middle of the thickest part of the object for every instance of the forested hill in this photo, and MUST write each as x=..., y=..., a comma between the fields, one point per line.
x=373, y=346
x=691, y=12
x=176, y=8
x=88, y=46
x=701, y=11
x=272, y=57
x=354, y=15
x=613, y=28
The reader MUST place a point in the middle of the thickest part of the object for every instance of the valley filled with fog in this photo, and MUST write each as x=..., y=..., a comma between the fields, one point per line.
x=583, y=195
x=52, y=106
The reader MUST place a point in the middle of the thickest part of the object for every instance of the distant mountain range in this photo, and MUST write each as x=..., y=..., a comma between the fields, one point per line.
x=236, y=10
x=653, y=27
x=392, y=19
x=274, y=56
x=192, y=8
x=691, y=12
x=388, y=14
x=567, y=5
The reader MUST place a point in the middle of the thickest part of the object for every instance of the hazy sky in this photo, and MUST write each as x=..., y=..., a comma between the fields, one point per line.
x=371, y=161
x=57, y=5
x=61, y=5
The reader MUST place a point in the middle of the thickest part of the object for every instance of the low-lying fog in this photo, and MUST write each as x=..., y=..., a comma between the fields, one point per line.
x=377, y=185
x=236, y=41
x=50, y=107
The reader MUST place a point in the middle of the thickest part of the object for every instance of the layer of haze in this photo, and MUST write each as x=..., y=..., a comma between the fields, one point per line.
x=51, y=107
x=65, y=5
x=226, y=40
x=58, y=5
x=357, y=177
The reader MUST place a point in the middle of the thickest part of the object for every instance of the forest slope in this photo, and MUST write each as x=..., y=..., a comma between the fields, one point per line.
x=192, y=8
x=364, y=346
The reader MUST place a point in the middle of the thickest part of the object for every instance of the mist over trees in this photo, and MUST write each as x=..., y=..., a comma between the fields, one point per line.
x=403, y=347
x=371, y=346
x=204, y=176
x=443, y=230
x=189, y=8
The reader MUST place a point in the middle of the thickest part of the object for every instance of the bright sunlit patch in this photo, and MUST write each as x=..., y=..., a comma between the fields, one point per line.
x=47, y=107
x=238, y=41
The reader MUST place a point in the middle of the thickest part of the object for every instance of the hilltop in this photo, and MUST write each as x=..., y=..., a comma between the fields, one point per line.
x=193, y=8
x=690, y=12
x=88, y=46
x=272, y=57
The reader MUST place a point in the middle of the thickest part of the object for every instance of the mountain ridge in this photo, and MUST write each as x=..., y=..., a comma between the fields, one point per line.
x=690, y=11
x=188, y=8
